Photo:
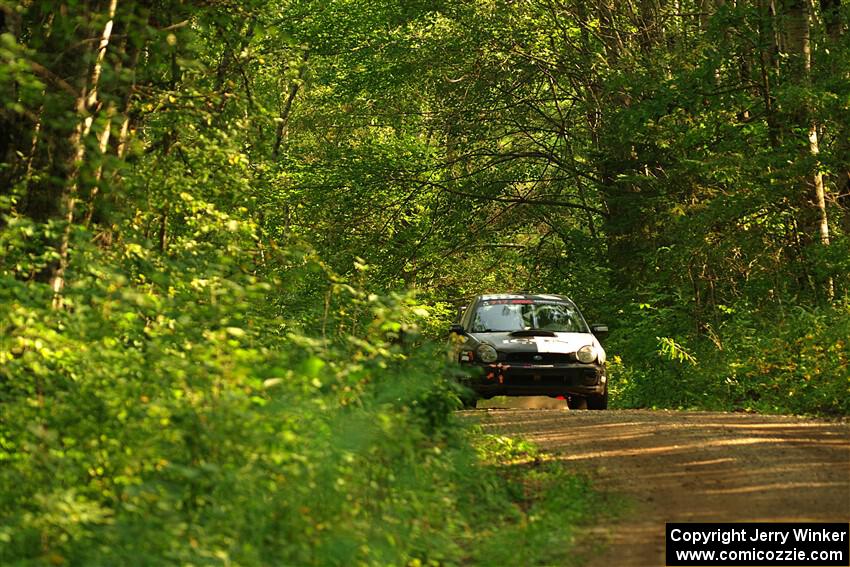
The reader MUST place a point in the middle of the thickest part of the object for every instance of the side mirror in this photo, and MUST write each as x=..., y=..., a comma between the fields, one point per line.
x=601, y=331
x=457, y=329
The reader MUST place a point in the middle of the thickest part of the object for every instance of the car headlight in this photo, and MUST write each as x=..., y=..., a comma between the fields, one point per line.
x=486, y=353
x=586, y=354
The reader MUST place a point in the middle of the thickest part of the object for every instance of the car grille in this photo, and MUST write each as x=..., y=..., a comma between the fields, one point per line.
x=539, y=357
x=569, y=378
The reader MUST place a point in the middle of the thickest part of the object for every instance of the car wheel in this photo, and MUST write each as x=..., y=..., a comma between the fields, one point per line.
x=598, y=402
x=577, y=402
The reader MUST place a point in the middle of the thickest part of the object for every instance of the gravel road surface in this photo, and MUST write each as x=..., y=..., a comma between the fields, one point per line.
x=690, y=467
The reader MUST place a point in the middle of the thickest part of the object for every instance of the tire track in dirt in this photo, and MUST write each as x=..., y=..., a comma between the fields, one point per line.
x=691, y=467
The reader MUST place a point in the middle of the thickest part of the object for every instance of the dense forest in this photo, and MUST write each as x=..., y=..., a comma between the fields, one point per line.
x=233, y=236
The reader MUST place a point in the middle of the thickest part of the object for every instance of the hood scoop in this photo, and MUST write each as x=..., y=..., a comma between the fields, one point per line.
x=533, y=333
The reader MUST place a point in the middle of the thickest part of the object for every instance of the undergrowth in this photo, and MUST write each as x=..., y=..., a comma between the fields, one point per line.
x=174, y=414
x=794, y=360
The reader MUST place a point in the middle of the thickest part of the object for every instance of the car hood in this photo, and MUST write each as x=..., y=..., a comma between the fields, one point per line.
x=560, y=342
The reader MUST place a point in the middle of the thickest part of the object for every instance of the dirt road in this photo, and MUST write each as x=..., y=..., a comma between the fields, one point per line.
x=692, y=467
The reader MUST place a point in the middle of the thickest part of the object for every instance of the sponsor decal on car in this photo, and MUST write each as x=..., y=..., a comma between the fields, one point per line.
x=547, y=344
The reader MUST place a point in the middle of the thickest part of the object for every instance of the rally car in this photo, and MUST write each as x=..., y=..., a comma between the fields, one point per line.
x=529, y=344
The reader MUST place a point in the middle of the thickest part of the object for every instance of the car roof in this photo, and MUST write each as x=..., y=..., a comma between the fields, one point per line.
x=531, y=296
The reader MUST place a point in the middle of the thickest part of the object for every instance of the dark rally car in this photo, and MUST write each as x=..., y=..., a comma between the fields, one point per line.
x=527, y=345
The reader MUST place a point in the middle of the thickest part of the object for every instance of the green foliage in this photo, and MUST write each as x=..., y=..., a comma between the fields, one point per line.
x=672, y=350
x=171, y=414
x=548, y=502
x=796, y=361
x=150, y=425
x=232, y=236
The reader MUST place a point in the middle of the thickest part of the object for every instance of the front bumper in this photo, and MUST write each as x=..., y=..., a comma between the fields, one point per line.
x=525, y=379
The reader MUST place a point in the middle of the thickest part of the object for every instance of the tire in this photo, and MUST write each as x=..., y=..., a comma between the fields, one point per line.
x=598, y=402
x=577, y=403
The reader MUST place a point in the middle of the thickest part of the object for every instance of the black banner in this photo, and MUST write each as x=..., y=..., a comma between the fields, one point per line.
x=758, y=544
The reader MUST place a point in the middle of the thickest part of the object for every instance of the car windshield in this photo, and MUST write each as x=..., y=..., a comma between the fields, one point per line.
x=525, y=314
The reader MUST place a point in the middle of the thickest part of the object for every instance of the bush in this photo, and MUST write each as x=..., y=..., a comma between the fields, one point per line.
x=789, y=361
x=171, y=415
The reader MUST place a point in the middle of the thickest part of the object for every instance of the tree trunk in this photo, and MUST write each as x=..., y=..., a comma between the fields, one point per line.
x=624, y=226
x=767, y=68
x=106, y=135
x=285, y=112
x=814, y=218
x=84, y=106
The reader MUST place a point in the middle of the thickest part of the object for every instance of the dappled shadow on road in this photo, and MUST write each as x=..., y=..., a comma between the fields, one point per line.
x=692, y=466
x=522, y=402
